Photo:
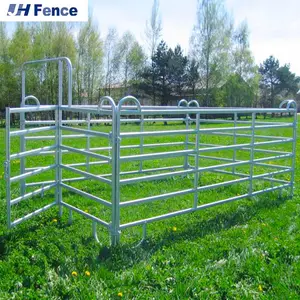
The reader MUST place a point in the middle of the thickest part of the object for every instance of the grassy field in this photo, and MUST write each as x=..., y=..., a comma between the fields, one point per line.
x=246, y=249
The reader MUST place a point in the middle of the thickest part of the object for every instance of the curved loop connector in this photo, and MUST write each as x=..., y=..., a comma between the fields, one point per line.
x=129, y=98
x=193, y=102
x=109, y=100
x=37, y=102
x=95, y=235
x=182, y=101
x=288, y=104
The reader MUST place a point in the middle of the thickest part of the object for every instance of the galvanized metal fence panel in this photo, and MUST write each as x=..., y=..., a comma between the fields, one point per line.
x=187, y=157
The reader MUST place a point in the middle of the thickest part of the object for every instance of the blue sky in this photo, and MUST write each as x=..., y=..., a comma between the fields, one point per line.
x=274, y=24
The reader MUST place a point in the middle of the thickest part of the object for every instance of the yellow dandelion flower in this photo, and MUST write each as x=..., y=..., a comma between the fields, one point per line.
x=174, y=229
x=260, y=288
x=86, y=211
x=74, y=274
x=120, y=294
x=54, y=220
x=87, y=273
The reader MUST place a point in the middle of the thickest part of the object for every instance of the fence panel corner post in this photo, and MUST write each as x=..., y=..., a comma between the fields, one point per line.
x=22, y=138
x=58, y=140
x=115, y=230
x=295, y=126
x=7, y=166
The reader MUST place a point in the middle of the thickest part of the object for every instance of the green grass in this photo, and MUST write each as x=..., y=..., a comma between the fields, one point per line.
x=246, y=249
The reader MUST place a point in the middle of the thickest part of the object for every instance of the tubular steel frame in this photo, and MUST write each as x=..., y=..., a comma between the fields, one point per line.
x=116, y=115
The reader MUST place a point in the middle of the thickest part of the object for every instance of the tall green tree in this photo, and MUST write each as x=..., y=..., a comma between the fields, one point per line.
x=243, y=61
x=178, y=70
x=210, y=45
x=89, y=63
x=269, y=79
x=192, y=76
x=276, y=82
x=8, y=81
x=111, y=60
x=169, y=71
x=153, y=30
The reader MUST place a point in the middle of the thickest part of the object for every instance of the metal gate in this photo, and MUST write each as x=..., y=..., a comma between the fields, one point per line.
x=210, y=140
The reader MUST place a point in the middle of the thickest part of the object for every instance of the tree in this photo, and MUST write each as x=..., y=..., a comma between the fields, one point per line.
x=8, y=82
x=177, y=68
x=167, y=75
x=269, y=78
x=88, y=62
x=210, y=44
x=153, y=29
x=111, y=59
x=243, y=61
x=161, y=65
x=236, y=92
x=137, y=59
x=192, y=76
x=288, y=81
x=124, y=48
x=153, y=34
x=276, y=81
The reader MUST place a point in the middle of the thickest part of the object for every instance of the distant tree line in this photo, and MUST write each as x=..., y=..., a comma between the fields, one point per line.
x=218, y=70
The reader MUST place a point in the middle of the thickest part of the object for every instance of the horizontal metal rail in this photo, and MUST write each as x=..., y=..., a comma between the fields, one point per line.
x=200, y=207
x=84, y=152
x=33, y=214
x=85, y=131
x=149, y=120
x=257, y=136
x=52, y=137
x=205, y=130
x=86, y=195
x=204, y=111
x=86, y=110
x=34, y=193
x=32, y=152
x=27, y=109
x=159, y=155
x=31, y=130
x=32, y=173
x=85, y=214
x=201, y=169
x=86, y=174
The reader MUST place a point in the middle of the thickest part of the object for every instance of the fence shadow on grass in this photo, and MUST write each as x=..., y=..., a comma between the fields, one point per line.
x=124, y=256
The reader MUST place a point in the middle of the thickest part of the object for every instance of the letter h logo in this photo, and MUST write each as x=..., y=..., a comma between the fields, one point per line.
x=13, y=11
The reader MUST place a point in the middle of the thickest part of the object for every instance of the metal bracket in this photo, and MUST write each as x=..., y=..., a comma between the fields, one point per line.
x=6, y=167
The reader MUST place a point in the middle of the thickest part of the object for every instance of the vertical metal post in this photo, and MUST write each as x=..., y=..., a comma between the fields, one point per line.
x=234, y=141
x=196, y=175
x=88, y=142
x=294, y=151
x=59, y=138
x=115, y=223
x=141, y=142
x=186, y=159
x=7, y=166
x=22, y=138
x=252, y=154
